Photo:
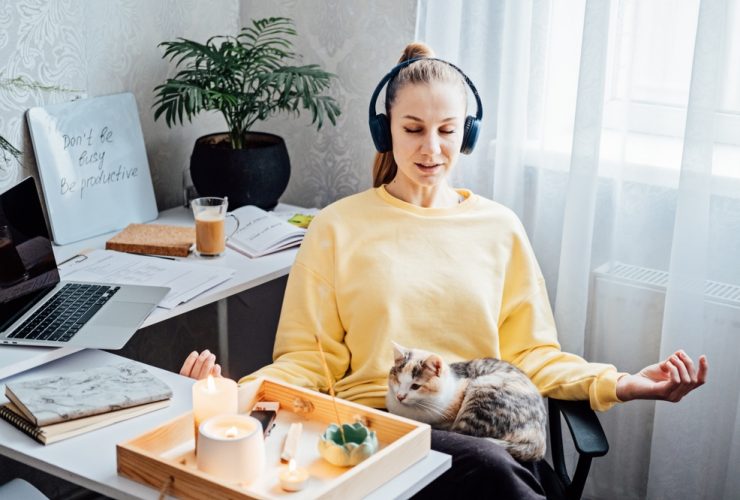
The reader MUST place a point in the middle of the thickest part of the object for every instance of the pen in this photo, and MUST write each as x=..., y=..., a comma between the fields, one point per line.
x=157, y=256
x=81, y=256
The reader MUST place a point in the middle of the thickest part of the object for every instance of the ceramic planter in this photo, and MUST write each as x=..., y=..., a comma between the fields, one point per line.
x=255, y=175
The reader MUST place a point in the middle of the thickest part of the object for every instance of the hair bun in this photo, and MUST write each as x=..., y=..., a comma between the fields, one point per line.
x=415, y=50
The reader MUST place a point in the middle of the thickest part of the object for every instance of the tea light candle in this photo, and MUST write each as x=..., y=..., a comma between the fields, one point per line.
x=231, y=447
x=293, y=478
x=213, y=396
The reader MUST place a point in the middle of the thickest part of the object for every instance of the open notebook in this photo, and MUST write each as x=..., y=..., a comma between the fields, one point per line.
x=261, y=233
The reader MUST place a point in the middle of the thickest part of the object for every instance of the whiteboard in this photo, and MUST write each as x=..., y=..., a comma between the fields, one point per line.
x=93, y=166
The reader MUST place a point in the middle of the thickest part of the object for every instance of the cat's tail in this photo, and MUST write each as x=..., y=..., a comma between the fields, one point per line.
x=527, y=451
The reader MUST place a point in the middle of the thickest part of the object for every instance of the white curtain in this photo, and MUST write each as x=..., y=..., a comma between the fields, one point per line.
x=613, y=129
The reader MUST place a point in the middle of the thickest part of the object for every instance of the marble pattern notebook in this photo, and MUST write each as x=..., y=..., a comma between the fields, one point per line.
x=80, y=394
x=52, y=433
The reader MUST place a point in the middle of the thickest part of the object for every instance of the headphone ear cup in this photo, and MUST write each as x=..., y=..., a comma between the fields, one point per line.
x=470, y=134
x=380, y=130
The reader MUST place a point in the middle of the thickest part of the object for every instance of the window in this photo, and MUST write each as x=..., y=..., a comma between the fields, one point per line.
x=649, y=68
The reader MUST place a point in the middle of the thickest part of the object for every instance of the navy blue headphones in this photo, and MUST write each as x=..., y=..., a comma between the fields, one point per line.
x=380, y=127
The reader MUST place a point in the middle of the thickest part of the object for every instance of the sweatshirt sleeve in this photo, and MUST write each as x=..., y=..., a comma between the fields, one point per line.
x=309, y=311
x=529, y=339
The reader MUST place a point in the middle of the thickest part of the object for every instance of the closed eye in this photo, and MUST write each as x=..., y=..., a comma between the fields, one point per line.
x=415, y=387
x=418, y=130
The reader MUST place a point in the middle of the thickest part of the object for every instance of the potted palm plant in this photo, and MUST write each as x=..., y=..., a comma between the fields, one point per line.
x=246, y=78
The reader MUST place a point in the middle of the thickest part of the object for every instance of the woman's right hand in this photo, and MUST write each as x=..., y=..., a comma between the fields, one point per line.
x=669, y=380
x=200, y=365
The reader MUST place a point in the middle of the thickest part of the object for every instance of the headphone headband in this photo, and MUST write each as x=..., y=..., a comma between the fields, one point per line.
x=397, y=69
x=379, y=123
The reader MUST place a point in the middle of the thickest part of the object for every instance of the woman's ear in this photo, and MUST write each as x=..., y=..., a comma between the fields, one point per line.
x=399, y=352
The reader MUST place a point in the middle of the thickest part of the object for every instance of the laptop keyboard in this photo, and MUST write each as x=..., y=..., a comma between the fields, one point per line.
x=65, y=313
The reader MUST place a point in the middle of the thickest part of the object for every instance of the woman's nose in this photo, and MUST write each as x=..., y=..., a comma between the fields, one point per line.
x=431, y=144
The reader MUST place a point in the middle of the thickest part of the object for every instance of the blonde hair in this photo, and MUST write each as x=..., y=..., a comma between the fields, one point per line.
x=423, y=71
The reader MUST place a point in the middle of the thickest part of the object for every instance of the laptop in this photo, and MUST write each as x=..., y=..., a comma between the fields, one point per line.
x=37, y=308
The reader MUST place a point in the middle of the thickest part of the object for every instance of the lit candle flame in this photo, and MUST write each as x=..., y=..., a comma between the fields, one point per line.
x=210, y=385
x=292, y=466
x=232, y=432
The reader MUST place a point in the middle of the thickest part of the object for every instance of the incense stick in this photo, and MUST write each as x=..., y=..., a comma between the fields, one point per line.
x=331, y=387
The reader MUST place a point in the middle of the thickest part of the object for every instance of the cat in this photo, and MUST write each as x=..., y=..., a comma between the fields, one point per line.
x=485, y=397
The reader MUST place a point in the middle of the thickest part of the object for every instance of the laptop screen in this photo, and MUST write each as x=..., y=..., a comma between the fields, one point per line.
x=28, y=269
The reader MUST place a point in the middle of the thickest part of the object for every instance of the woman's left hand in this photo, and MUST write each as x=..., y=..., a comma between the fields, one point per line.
x=669, y=380
x=200, y=365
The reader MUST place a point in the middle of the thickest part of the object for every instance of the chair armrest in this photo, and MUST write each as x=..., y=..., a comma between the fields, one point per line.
x=585, y=428
x=588, y=438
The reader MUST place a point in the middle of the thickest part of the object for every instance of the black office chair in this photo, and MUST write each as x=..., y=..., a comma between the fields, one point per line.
x=589, y=440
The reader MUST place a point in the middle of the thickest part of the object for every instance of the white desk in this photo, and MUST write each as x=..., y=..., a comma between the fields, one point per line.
x=90, y=459
x=249, y=273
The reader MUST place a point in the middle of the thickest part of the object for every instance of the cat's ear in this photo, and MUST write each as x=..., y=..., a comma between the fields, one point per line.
x=399, y=352
x=434, y=363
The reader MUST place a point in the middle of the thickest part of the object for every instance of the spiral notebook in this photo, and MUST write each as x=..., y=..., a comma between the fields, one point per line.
x=105, y=389
x=56, y=432
x=261, y=233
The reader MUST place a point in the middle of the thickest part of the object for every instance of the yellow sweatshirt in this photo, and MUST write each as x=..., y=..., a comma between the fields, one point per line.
x=462, y=282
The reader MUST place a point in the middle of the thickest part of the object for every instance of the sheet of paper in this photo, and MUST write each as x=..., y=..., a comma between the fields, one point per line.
x=185, y=279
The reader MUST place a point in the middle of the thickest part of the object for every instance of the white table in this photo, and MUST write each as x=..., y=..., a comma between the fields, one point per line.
x=249, y=274
x=89, y=460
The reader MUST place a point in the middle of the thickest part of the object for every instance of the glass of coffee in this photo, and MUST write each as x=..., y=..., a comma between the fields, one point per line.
x=210, y=216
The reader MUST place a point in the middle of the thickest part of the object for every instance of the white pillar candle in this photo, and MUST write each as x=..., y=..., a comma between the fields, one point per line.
x=213, y=396
x=231, y=447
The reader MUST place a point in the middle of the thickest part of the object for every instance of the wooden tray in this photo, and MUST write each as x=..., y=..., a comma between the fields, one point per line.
x=164, y=459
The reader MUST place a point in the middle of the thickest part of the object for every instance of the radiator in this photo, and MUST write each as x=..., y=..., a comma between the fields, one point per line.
x=625, y=313
x=643, y=277
x=624, y=328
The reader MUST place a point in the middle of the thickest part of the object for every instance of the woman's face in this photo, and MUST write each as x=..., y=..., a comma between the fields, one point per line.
x=427, y=129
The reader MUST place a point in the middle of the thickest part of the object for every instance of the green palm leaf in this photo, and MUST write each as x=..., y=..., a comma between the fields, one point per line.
x=244, y=77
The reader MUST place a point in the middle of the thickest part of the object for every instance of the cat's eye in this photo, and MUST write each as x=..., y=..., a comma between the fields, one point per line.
x=415, y=387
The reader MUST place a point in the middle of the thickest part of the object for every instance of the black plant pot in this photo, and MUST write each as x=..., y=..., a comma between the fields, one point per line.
x=255, y=175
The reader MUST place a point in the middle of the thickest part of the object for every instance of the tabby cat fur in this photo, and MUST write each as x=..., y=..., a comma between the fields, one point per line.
x=484, y=397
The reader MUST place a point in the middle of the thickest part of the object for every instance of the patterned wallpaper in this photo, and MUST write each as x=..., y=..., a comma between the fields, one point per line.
x=359, y=41
x=96, y=48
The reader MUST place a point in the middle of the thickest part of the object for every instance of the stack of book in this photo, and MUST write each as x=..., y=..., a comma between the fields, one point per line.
x=50, y=409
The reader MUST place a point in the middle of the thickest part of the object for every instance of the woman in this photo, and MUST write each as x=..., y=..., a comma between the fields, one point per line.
x=420, y=263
